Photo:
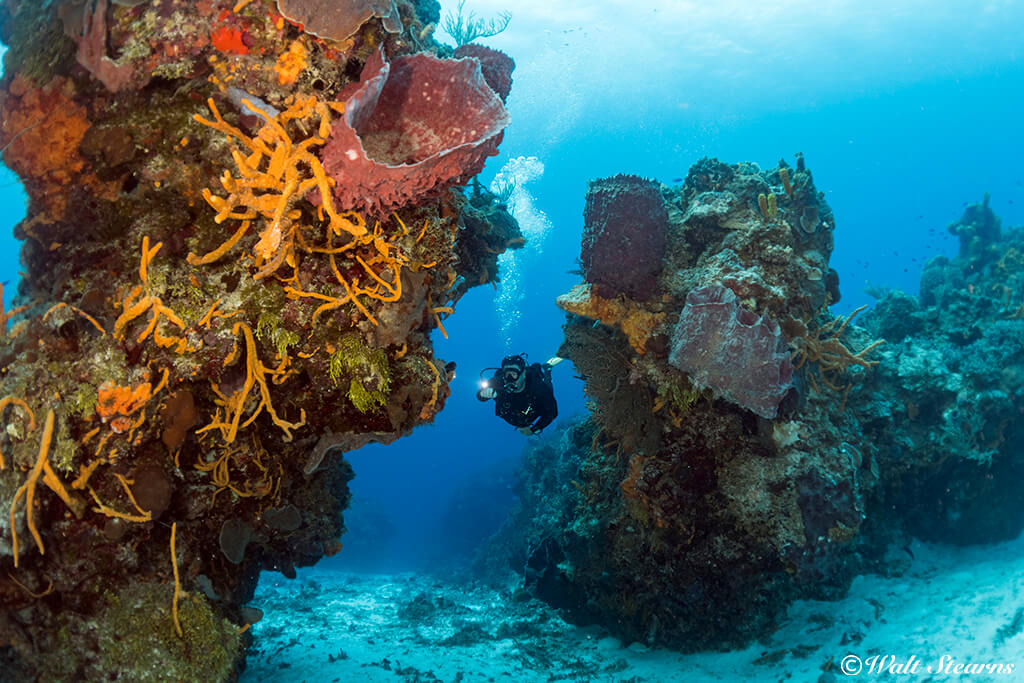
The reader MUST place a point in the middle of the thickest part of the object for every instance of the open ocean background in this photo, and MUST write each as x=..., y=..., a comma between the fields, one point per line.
x=906, y=111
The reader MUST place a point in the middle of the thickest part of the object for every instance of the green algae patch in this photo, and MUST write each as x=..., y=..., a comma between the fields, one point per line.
x=368, y=369
x=268, y=327
x=137, y=640
x=37, y=46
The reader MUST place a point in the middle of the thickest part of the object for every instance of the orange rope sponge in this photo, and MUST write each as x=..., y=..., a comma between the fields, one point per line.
x=234, y=405
x=276, y=173
x=177, y=582
x=28, y=489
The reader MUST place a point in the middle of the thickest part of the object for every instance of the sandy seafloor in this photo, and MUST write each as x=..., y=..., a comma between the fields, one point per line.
x=966, y=604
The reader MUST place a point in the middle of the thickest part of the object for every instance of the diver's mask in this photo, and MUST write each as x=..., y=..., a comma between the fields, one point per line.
x=513, y=374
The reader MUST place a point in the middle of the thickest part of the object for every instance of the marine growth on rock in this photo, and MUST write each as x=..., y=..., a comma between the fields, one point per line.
x=195, y=343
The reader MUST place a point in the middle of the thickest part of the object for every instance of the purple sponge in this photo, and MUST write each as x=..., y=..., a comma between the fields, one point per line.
x=624, y=223
x=739, y=355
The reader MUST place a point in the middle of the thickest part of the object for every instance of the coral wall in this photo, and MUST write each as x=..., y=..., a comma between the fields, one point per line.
x=196, y=344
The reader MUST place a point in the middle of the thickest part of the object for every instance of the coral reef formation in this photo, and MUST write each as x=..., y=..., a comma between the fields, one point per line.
x=979, y=231
x=715, y=479
x=746, y=447
x=942, y=413
x=201, y=330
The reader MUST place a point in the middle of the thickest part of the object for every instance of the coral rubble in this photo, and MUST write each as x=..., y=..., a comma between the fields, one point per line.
x=201, y=331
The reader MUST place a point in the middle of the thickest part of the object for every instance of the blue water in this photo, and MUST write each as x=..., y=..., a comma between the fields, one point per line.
x=904, y=116
x=12, y=210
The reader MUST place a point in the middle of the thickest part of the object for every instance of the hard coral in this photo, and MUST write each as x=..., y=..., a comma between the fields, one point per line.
x=334, y=20
x=623, y=236
x=732, y=350
x=415, y=127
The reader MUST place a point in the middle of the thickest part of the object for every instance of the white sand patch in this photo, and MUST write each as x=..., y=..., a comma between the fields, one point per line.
x=959, y=603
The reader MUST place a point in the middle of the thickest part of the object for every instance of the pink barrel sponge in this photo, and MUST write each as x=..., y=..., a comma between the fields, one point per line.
x=495, y=65
x=416, y=126
x=739, y=355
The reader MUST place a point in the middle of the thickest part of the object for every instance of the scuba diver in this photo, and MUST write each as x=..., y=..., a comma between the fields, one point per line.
x=524, y=396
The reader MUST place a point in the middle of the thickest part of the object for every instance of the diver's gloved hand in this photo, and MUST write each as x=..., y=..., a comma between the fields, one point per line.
x=526, y=431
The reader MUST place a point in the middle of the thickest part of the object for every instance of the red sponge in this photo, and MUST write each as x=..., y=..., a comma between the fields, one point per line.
x=415, y=127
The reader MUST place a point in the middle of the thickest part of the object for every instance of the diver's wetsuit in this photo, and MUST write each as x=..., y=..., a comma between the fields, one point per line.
x=534, y=406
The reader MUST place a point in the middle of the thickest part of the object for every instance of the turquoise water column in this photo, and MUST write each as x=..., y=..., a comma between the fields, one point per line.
x=12, y=210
